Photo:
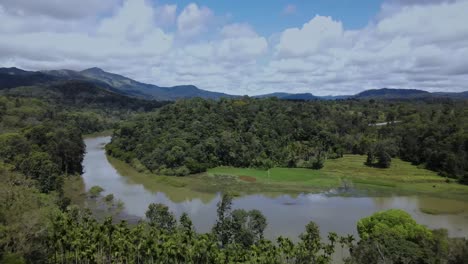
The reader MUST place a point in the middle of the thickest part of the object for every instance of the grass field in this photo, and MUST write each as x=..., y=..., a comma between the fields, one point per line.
x=401, y=178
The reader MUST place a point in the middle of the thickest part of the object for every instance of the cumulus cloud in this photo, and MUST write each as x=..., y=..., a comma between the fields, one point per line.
x=238, y=30
x=193, y=20
x=166, y=15
x=128, y=34
x=317, y=33
x=420, y=44
x=227, y=64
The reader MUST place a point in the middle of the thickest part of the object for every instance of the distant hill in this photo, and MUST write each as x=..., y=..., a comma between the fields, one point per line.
x=380, y=94
x=135, y=88
x=79, y=93
x=301, y=96
x=277, y=95
x=14, y=77
x=462, y=95
x=386, y=93
x=290, y=96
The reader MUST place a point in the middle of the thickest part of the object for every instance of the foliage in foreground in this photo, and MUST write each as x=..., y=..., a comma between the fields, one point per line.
x=236, y=238
x=393, y=236
x=34, y=230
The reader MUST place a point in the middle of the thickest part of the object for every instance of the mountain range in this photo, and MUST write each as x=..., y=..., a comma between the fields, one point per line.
x=14, y=77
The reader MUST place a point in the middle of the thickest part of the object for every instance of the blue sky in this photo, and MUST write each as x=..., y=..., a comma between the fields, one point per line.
x=323, y=47
x=268, y=17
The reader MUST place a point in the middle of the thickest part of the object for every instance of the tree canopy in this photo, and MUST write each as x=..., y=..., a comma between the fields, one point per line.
x=191, y=136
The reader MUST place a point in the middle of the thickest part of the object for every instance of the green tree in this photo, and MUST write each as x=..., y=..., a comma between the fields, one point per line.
x=186, y=224
x=95, y=191
x=160, y=217
x=384, y=160
x=222, y=228
x=39, y=166
x=393, y=236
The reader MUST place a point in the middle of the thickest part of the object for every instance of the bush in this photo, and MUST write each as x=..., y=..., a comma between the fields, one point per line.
x=109, y=198
x=95, y=191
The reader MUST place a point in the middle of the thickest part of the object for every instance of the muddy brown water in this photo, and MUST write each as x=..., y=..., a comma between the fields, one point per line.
x=287, y=215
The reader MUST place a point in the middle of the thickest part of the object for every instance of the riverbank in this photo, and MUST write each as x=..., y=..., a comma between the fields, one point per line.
x=347, y=176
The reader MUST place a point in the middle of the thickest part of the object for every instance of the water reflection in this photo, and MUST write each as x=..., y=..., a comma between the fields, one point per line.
x=286, y=215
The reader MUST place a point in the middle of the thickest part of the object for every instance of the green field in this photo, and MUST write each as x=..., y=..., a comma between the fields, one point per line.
x=401, y=178
x=350, y=171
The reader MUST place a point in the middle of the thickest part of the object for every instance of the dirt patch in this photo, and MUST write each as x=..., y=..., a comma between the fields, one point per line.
x=247, y=178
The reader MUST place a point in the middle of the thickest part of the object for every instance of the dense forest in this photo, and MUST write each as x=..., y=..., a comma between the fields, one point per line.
x=191, y=136
x=41, y=146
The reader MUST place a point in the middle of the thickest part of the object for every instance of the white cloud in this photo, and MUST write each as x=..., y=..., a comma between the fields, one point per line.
x=317, y=33
x=417, y=45
x=62, y=9
x=193, y=20
x=133, y=20
x=166, y=15
x=419, y=23
x=238, y=30
x=128, y=34
x=242, y=48
x=420, y=46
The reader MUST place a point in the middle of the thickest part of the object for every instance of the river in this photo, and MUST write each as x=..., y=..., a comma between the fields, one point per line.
x=287, y=215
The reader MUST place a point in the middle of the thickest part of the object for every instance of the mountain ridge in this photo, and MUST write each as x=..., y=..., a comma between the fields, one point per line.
x=15, y=77
x=144, y=90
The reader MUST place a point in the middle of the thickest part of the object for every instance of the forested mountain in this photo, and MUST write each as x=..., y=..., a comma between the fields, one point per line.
x=462, y=95
x=290, y=96
x=156, y=92
x=406, y=94
x=379, y=94
x=193, y=135
x=13, y=77
x=135, y=88
x=83, y=94
x=387, y=93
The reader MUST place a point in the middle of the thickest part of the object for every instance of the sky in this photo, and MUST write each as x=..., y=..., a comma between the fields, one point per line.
x=323, y=47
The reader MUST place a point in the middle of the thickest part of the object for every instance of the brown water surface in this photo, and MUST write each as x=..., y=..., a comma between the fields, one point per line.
x=287, y=215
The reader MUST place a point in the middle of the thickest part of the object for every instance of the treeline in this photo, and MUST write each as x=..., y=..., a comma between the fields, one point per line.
x=191, y=136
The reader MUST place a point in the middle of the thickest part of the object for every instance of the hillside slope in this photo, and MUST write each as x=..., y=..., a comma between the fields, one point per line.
x=82, y=94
